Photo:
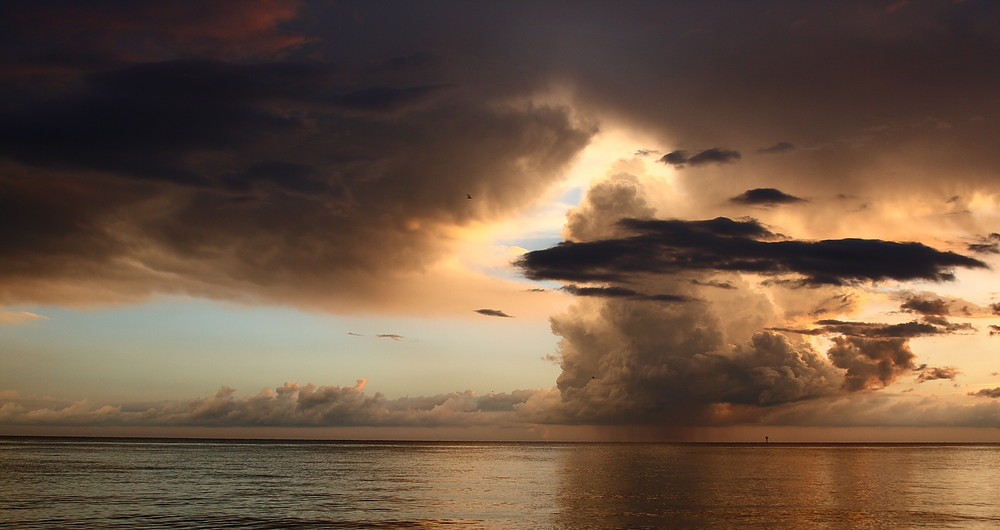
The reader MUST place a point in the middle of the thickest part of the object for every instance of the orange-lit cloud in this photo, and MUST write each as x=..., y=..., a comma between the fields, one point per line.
x=14, y=318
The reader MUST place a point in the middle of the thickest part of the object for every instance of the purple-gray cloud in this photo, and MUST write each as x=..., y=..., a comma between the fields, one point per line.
x=493, y=313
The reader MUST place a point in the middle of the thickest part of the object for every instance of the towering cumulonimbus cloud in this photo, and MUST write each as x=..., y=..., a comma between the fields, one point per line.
x=714, y=355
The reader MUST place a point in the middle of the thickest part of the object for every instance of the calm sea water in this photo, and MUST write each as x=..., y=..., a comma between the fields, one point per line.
x=118, y=483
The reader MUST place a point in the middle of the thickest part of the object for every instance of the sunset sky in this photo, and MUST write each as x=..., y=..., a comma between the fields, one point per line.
x=511, y=220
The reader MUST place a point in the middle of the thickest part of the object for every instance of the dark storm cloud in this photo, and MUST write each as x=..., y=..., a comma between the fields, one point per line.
x=493, y=313
x=780, y=147
x=145, y=120
x=622, y=292
x=126, y=124
x=141, y=120
x=384, y=99
x=721, y=244
x=715, y=155
x=274, y=169
x=765, y=197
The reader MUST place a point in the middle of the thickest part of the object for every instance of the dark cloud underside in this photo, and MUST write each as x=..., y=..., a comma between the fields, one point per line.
x=247, y=174
x=715, y=155
x=765, y=197
x=880, y=330
x=493, y=313
x=622, y=292
x=721, y=244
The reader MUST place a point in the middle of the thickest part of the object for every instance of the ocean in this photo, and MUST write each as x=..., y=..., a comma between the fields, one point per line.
x=147, y=483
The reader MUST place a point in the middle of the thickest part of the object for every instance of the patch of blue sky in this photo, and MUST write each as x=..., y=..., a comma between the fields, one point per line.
x=181, y=347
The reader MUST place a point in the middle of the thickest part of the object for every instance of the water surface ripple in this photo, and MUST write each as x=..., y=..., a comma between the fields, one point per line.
x=143, y=483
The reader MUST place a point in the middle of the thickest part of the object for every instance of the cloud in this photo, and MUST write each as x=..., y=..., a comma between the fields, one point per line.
x=493, y=313
x=721, y=244
x=780, y=147
x=605, y=203
x=709, y=283
x=987, y=392
x=297, y=405
x=289, y=405
x=59, y=38
x=765, y=197
x=15, y=318
x=622, y=292
x=871, y=363
x=715, y=155
x=220, y=178
x=731, y=357
x=319, y=154
x=936, y=306
x=667, y=364
x=392, y=336
x=941, y=372
x=880, y=330
x=986, y=245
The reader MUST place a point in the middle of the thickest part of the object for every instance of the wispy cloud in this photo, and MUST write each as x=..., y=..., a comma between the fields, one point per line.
x=15, y=318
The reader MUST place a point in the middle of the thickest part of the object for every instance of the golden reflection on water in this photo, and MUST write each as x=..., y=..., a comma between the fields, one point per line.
x=803, y=486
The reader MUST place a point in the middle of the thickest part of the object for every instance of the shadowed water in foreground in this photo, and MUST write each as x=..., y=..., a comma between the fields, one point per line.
x=125, y=483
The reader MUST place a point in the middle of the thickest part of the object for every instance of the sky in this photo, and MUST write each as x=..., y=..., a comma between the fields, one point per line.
x=696, y=221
